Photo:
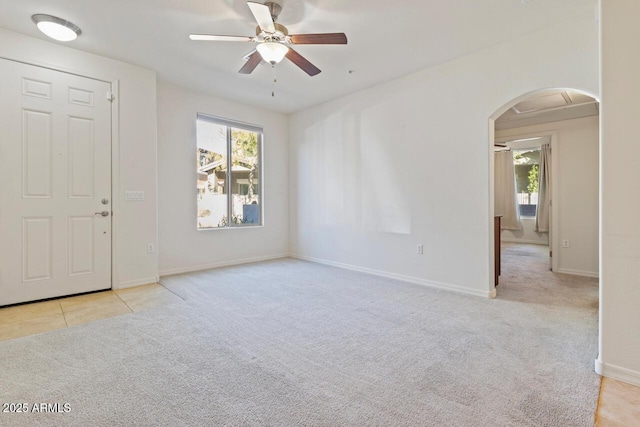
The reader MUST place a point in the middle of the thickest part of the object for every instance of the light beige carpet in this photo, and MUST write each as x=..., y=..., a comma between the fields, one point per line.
x=289, y=342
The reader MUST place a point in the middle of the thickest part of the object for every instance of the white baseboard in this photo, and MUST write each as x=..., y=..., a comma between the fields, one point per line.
x=533, y=242
x=578, y=272
x=134, y=283
x=618, y=373
x=409, y=279
x=200, y=267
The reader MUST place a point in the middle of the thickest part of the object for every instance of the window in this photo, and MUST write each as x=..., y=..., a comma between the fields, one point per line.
x=228, y=164
x=527, y=168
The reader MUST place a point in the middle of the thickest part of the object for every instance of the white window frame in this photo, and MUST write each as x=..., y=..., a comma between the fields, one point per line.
x=527, y=142
x=243, y=126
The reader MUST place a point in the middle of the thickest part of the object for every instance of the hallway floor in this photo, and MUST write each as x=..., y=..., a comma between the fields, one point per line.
x=524, y=277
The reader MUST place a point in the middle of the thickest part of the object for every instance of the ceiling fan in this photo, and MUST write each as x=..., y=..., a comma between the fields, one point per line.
x=274, y=41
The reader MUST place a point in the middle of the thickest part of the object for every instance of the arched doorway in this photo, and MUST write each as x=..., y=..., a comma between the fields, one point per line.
x=550, y=114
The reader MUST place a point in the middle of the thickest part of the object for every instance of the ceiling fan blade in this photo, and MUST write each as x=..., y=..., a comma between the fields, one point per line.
x=263, y=16
x=326, y=38
x=251, y=64
x=248, y=55
x=302, y=62
x=211, y=37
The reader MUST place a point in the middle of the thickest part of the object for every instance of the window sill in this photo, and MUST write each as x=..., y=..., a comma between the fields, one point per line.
x=242, y=227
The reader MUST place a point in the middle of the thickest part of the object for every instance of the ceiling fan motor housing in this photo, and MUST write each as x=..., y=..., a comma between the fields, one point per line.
x=274, y=9
x=281, y=31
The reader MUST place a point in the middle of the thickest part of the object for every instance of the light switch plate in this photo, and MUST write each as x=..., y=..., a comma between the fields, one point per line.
x=134, y=196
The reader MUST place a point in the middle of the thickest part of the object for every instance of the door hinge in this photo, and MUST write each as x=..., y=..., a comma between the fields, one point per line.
x=550, y=254
x=110, y=97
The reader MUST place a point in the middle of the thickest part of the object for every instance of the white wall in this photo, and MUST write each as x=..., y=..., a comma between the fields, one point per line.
x=576, y=153
x=407, y=162
x=528, y=234
x=135, y=222
x=182, y=246
x=620, y=167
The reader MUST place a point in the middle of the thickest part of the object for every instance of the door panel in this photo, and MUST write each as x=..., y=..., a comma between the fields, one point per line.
x=37, y=257
x=55, y=169
x=37, y=161
x=81, y=245
x=36, y=88
x=81, y=158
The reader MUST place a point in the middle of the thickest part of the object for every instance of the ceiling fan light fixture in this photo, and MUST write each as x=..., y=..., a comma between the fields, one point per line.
x=56, y=28
x=272, y=52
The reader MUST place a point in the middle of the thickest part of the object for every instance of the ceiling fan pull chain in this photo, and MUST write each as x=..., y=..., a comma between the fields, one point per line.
x=273, y=84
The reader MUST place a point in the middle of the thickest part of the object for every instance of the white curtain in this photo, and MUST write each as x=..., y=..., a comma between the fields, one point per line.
x=506, y=202
x=544, y=190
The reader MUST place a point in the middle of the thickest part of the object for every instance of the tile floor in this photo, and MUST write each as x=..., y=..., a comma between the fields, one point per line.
x=29, y=319
x=618, y=405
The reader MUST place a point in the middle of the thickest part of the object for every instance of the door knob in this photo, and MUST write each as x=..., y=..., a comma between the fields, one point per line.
x=103, y=213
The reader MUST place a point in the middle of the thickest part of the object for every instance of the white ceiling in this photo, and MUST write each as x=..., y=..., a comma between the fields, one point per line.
x=387, y=39
x=548, y=107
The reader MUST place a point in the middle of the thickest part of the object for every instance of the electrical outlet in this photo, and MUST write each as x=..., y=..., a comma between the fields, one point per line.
x=419, y=249
x=151, y=248
x=565, y=243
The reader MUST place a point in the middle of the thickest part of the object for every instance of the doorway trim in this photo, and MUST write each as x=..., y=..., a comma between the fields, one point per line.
x=115, y=180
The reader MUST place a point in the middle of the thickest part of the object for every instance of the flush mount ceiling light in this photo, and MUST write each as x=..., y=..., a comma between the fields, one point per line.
x=56, y=28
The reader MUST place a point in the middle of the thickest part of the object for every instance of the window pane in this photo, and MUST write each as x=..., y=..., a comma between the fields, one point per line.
x=245, y=184
x=527, y=168
x=212, y=169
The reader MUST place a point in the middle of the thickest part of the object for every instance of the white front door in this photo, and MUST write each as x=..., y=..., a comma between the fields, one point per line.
x=55, y=180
